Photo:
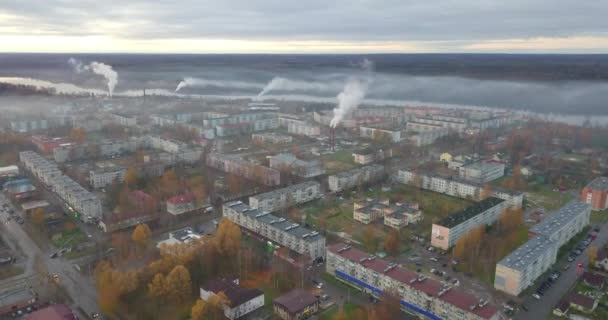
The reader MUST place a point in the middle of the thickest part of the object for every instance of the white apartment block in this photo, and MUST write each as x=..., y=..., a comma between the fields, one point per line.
x=24, y=126
x=298, y=167
x=355, y=177
x=451, y=123
x=397, y=215
x=271, y=137
x=123, y=119
x=426, y=138
x=286, y=197
x=303, y=128
x=102, y=177
x=419, y=295
x=518, y=270
x=280, y=230
x=457, y=187
x=80, y=200
x=482, y=171
x=446, y=232
x=394, y=135
x=243, y=168
x=167, y=145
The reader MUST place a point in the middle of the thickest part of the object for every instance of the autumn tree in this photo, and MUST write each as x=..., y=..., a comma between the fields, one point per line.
x=199, y=310
x=340, y=315
x=486, y=191
x=131, y=176
x=369, y=239
x=179, y=284
x=170, y=183
x=79, y=135
x=157, y=288
x=216, y=305
x=141, y=235
x=112, y=285
x=38, y=217
x=234, y=183
x=228, y=238
x=592, y=253
x=392, y=241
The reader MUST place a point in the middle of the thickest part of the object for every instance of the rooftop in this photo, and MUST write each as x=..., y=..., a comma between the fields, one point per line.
x=236, y=294
x=555, y=221
x=528, y=253
x=469, y=212
x=293, y=188
x=182, y=198
x=296, y=300
x=599, y=183
x=54, y=312
x=351, y=172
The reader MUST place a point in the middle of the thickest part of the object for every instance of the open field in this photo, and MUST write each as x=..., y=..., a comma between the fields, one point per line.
x=548, y=198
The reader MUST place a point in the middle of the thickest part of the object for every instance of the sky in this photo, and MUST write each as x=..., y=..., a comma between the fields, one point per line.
x=310, y=26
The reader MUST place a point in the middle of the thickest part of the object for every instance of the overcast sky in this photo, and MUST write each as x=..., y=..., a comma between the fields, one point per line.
x=306, y=26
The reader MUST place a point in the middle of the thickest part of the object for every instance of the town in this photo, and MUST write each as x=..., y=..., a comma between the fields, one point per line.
x=167, y=208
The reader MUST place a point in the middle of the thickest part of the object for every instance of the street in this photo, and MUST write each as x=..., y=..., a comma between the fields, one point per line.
x=541, y=309
x=80, y=288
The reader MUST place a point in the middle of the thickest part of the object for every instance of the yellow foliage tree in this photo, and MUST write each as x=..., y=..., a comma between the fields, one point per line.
x=179, y=284
x=131, y=176
x=391, y=242
x=157, y=288
x=199, y=310
x=141, y=234
x=228, y=238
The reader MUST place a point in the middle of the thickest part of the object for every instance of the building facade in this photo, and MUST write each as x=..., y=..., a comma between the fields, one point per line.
x=295, y=305
x=243, y=168
x=242, y=301
x=297, y=167
x=418, y=294
x=355, y=177
x=596, y=194
x=286, y=197
x=102, y=177
x=482, y=171
x=280, y=230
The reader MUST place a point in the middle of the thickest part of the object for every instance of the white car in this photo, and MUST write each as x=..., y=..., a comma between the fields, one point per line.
x=536, y=296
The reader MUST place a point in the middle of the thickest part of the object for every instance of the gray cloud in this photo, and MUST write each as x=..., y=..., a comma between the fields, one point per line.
x=338, y=20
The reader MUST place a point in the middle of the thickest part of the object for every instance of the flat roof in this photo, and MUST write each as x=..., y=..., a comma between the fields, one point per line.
x=599, y=183
x=469, y=212
x=561, y=217
x=349, y=173
x=527, y=253
x=275, y=193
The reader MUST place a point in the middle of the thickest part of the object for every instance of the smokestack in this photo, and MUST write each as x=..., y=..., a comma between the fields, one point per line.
x=98, y=68
x=353, y=94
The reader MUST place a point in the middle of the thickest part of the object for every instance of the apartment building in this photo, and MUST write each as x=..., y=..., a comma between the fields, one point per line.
x=303, y=128
x=241, y=301
x=398, y=215
x=79, y=200
x=25, y=126
x=105, y=175
x=297, y=167
x=418, y=294
x=165, y=144
x=563, y=224
x=446, y=232
x=123, y=119
x=393, y=134
x=596, y=194
x=518, y=270
x=482, y=171
x=452, y=123
x=47, y=144
x=181, y=204
x=457, y=187
x=286, y=197
x=236, y=165
x=422, y=134
x=271, y=138
x=355, y=177
x=280, y=230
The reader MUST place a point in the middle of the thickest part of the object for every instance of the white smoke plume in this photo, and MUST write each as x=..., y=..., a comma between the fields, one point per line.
x=202, y=83
x=353, y=94
x=284, y=84
x=99, y=68
x=59, y=88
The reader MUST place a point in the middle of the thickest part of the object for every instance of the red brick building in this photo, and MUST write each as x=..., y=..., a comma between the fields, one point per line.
x=596, y=194
x=46, y=144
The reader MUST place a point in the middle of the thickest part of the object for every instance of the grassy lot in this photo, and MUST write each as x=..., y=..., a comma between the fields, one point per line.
x=338, y=161
x=598, y=217
x=10, y=271
x=66, y=238
x=544, y=196
x=349, y=308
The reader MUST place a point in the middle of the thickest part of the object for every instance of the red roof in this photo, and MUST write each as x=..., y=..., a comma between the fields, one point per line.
x=184, y=198
x=581, y=300
x=593, y=279
x=54, y=312
x=431, y=287
x=139, y=195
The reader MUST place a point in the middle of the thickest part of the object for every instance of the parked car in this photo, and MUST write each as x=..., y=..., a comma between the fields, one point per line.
x=536, y=296
x=433, y=259
x=523, y=307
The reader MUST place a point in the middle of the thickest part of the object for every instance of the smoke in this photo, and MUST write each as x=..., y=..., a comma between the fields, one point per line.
x=57, y=88
x=202, y=83
x=98, y=68
x=284, y=84
x=353, y=94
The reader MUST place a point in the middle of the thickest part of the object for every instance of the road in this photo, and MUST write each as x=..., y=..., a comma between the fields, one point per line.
x=80, y=288
x=541, y=309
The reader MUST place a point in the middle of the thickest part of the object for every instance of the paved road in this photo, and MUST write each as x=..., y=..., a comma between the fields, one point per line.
x=79, y=287
x=541, y=309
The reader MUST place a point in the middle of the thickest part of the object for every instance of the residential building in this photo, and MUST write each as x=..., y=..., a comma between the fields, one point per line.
x=303, y=128
x=293, y=195
x=113, y=221
x=242, y=301
x=418, y=294
x=422, y=134
x=271, y=138
x=452, y=123
x=105, y=175
x=53, y=312
x=581, y=302
x=297, y=304
x=181, y=204
x=123, y=119
x=80, y=201
x=19, y=189
x=601, y=261
x=370, y=155
x=46, y=144
x=396, y=215
x=240, y=167
x=482, y=171
x=25, y=126
x=355, y=177
x=447, y=231
x=594, y=280
x=391, y=133
x=519, y=269
x=596, y=194
x=182, y=236
x=297, y=167
x=280, y=230
x=165, y=144
x=457, y=187
x=9, y=171
x=565, y=223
